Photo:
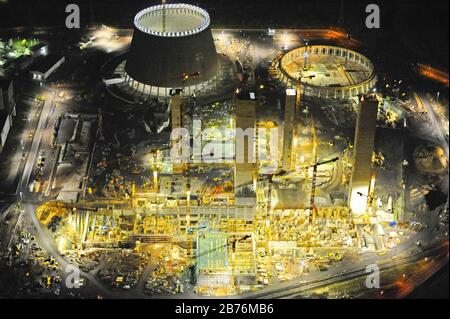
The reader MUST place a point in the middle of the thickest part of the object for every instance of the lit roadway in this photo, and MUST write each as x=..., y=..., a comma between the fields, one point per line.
x=287, y=289
x=44, y=238
x=347, y=271
x=32, y=155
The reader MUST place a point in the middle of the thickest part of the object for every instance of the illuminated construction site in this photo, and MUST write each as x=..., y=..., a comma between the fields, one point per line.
x=256, y=221
x=302, y=192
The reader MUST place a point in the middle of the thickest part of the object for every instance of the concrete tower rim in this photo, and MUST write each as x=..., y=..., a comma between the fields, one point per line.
x=191, y=9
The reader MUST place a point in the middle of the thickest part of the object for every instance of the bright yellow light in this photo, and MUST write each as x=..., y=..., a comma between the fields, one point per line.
x=62, y=244
x=372, y=183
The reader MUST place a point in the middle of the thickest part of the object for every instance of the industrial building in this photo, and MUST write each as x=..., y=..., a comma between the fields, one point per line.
x=186, y=56
x=6, y=95
x=362, y=172
x=23, y=62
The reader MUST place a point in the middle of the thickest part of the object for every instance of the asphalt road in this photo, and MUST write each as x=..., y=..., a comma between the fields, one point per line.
x=44, y=238
x=32, y=155
x=342, y=277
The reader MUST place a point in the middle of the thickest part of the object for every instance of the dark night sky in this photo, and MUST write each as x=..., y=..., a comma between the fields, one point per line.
x=418, y=26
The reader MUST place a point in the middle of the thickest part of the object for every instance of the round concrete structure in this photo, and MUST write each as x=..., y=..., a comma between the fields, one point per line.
x=326, y=71
x=172, y=20
x=172, y=47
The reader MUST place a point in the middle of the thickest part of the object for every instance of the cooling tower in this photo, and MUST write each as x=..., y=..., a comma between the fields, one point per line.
x=172, y=47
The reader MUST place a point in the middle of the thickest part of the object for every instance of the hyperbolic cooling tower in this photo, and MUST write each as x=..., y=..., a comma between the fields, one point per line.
x=172, y=47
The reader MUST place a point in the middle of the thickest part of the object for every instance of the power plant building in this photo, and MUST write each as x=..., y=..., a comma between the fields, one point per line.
x=362, y=171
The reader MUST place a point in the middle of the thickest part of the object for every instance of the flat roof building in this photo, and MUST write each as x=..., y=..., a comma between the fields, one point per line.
x=7, y=109
x=23, y=62
x=185, y=57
